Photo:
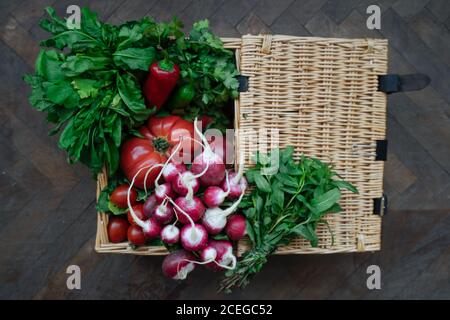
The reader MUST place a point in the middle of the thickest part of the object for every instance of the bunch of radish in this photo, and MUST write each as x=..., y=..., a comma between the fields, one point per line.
x=186, y=210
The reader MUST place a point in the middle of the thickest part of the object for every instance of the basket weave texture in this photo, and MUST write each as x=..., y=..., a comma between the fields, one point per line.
x=321, y=95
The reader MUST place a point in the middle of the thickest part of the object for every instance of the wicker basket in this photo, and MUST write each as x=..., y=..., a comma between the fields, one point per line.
x=322, y=95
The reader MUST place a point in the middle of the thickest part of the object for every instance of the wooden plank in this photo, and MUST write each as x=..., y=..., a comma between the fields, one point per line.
x=253, y=24
x=409, y=8
x=338, y=10
x=269, y=11
x=86, y=258
x=383, y=4
x=397, y=177
x=416, y=52
x=58, y=237
x=412, y=241
x=220, y=26
x=198, y=10
x=428, y=123
x=29, y=13
x=17, y=38
x=354, y=26
x=131, y=10
x=433, y=35
x=440, y=9
x=166, y=10
x=431, y=176
x=303, y=10
x=7, y=6
x=234, y=10
x=322, y=26
x=286, y=23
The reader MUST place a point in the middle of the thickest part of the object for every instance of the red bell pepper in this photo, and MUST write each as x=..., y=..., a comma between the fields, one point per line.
x=160, y=82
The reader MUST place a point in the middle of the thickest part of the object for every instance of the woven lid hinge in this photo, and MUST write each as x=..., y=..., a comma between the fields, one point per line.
x=243, y=83
x=380, y=205
x=391, y=83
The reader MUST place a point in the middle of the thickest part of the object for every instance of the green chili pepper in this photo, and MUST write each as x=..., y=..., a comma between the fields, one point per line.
x=181, y=97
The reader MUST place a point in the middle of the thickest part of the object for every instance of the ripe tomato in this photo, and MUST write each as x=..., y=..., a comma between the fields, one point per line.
x=119, y=196
x=139, y=211
x=161, y=135
x=117, y=229
x=136, y=235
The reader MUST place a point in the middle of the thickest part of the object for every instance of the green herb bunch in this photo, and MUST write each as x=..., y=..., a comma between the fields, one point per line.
x=210, y=68
x=284, y=204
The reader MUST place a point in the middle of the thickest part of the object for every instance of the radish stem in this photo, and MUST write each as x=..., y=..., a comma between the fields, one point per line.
x=167, y=162
x=136, y=219
x=182, y=211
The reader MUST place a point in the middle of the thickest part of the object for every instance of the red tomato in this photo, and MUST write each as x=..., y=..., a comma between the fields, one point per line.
x=136, y=235
x=119, y=196
x=117, y=229
x=139, y=211
x=161, y=135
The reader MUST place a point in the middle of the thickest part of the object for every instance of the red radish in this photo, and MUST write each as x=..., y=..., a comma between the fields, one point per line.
x=178, y=264
x=218, y=255
x=163, y=190
x=170, y=234
x=225, y=257
x=117, y=229
x=138, y=209
x=163, y=212
x=171, y=171
x=194, y=208
x=149, y=205
x=119, y=196
x=135, y=235
x=193, y=236
x=236, y=227
x=150, y=227
x=237, y=183
x=185, y=183
x=214, y=196
x=208, y=253
x=208, y=165
x=215, y=219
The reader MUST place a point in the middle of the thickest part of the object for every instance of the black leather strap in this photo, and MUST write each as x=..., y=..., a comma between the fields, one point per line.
x=243, y=83
x=381, y=150
x=380, y=205
x=391, y=83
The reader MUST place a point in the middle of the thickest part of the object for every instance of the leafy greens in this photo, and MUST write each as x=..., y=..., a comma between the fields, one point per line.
x=283, y=205
x=87, y=80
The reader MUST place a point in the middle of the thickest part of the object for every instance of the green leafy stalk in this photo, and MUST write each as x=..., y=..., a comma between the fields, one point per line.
x=286, y=204
x=89, y=88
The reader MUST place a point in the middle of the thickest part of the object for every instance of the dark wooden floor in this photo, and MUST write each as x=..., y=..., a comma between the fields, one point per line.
x=47, y=206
